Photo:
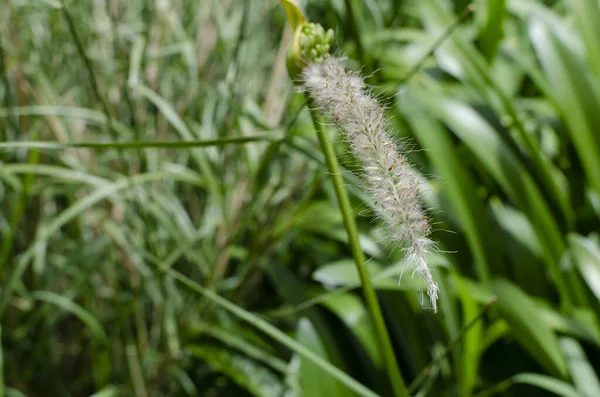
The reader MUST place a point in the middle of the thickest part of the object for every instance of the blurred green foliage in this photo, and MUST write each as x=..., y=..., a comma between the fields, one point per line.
x=217, y=264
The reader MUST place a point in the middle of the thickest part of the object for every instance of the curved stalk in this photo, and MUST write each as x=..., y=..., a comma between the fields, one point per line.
x=385, y=343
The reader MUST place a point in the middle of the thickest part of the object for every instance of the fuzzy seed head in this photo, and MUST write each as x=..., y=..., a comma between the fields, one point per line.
x=392, y=183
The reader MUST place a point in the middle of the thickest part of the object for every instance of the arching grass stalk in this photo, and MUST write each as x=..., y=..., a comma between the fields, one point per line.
x=391, y=182
x=385, y=343
x=274, y=333
x=345, y=98
x=310, y=45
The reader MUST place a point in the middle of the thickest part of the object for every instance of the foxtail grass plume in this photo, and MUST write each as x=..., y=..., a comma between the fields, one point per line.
x=392, y=183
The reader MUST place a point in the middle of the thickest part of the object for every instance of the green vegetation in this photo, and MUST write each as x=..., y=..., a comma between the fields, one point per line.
x=169, y=225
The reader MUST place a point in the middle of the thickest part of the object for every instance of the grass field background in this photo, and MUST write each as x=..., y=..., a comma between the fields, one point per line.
x=168, y=226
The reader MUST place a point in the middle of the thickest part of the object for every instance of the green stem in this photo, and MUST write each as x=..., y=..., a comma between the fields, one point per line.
x=1, y=366
x=90, y=68
x=18, y=211
x=385, y=343
x=439, y=41
x=274, y=333
x=428, y=370
x=356, y=31
x=497, y=388
x=8, y=101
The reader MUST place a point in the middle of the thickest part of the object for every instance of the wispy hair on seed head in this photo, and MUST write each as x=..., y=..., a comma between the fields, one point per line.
x=392, y=183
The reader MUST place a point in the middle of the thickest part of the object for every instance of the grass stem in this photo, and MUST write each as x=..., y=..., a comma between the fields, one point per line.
x=90, y=68
x=428, y=370
x=385, y=343
x=274, y=333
